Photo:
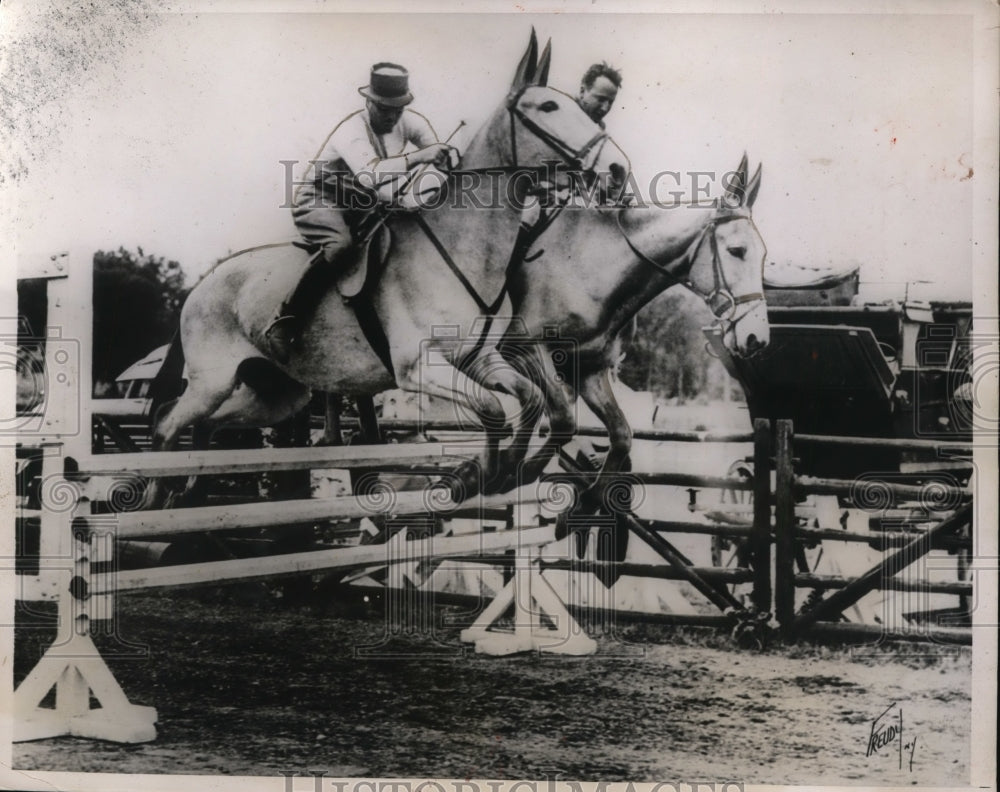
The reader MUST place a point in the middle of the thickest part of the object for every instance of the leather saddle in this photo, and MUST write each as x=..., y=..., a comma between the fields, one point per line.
x=360, y=265
x=372, y=239
x=367, y=257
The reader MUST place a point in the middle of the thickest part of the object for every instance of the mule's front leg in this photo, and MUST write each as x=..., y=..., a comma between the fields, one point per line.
x=536, y=363
x=492, y=371
x=611, y=493
x=595, y=390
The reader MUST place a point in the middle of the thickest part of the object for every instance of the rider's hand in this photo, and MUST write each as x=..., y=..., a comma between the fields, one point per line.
x=452, y=160
x=431, y=154
x=438, y=154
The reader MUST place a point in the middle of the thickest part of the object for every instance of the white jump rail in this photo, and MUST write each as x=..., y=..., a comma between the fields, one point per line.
x=193, y=463
x=73, y=539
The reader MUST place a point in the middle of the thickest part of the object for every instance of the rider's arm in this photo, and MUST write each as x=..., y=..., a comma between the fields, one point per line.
x=417, y=131
x=352, y=143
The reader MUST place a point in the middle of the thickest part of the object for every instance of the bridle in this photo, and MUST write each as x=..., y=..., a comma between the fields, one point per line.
x=574, y=158
x=720, y=300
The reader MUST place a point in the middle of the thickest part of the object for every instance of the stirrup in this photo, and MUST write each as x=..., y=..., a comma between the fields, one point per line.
x=277, y=322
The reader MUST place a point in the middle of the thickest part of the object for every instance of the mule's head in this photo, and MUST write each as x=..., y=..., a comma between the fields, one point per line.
x=548, y=125
x=728, y=266
x=538, y=125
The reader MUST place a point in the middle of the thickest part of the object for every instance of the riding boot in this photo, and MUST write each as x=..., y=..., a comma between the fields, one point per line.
x=283, y=333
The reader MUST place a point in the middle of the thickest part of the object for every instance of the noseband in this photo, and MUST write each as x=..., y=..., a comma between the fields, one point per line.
x=720, y=300
x=573, y=158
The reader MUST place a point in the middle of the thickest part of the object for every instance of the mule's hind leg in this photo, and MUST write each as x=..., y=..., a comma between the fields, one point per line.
x=209, y=404
x=194, y=490
x=172, y=418
x=436, y=377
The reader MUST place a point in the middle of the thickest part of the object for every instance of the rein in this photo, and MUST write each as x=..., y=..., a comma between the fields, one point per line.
x=720, y=300
x=526, y=235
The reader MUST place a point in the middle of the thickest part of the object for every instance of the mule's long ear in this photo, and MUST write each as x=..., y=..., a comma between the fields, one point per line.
x=542, y=71
x=753, y=188
x=741, y=171
x=529, y=62
x=736, y=186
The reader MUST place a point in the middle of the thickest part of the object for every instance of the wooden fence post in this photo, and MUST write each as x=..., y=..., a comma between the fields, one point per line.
x=760, y=542
x=784, y=529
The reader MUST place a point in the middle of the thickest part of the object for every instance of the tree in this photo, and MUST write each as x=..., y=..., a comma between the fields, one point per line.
x=137, y=303
x=668, y=355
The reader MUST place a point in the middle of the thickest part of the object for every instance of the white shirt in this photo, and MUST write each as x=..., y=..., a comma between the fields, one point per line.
x=378, y=160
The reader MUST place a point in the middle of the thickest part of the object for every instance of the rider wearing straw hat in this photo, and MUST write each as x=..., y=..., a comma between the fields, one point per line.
x=364, y=161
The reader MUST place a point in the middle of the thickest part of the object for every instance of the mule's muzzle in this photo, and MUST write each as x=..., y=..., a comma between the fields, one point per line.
x=750, y=333
x=755, y=344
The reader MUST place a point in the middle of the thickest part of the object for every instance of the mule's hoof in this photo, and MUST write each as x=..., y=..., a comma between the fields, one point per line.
x=509, y=484
x=503, y=476
x=613, y=544
x=562, y=526
x=465, y=482
x=590, y=501
x=501, y=483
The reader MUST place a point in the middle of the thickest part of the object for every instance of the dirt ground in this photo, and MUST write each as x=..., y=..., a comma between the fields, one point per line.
x=249, y=685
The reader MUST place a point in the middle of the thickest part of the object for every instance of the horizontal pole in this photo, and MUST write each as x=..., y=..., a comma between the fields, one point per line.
x=133, y=410
x=886, y=442
x=886, y=539
x=845, y=632
x=824, y=582
x=403, y=425
x=197, y=463
x=416, y=469
x=317, y=560
x=825, y=486
x=653, y=571
x=724, y=508
x=492, y=514
x=665, y=526
x=244, y=516
x=583, y=431
x=678, y=480
x=692, y=480
x=679, y=437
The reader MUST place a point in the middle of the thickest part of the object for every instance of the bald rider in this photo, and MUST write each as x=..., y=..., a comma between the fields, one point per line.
x=364, y=161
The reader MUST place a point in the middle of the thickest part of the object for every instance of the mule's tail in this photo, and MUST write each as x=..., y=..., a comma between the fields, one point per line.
x=168, y=383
